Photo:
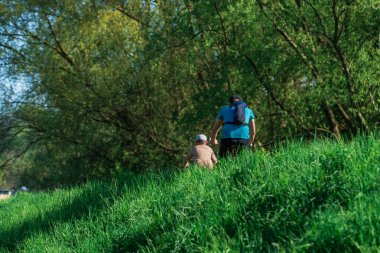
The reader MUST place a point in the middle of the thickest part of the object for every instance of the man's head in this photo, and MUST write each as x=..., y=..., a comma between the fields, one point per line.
x=201, y=139
x=235, y=98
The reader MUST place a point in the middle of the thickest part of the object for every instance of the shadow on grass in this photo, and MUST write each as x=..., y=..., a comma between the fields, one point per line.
x=67, y=209
x=93, y=198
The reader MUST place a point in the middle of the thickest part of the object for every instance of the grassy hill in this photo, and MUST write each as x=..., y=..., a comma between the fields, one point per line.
x=316, y=197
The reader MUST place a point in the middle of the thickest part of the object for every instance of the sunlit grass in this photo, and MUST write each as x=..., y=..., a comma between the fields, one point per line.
x=317, y=197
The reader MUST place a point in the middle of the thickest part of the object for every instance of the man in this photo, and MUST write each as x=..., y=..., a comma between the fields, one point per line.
x=201, y=154
x=235, y=137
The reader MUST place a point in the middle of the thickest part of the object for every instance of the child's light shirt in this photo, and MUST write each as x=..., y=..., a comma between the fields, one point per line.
x=202, y=155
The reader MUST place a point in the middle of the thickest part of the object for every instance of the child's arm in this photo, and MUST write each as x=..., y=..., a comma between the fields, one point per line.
x=187, y=158
x=213, y=158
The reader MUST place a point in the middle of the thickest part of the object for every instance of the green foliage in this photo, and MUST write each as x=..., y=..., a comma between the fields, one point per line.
x=132, y=82
x=314, y=197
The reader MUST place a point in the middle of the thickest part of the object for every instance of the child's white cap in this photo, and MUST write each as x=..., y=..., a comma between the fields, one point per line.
x=201, y=137
x=24, y=188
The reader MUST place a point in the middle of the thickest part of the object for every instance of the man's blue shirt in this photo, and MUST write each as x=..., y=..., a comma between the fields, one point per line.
x=234, y=131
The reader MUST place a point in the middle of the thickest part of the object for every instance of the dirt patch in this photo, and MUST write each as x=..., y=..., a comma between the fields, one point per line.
x=2, y=196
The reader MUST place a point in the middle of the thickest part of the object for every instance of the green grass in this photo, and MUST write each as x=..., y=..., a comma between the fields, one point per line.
x=317, y=197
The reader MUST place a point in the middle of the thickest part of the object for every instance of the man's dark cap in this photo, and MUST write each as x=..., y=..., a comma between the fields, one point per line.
x=234, y=98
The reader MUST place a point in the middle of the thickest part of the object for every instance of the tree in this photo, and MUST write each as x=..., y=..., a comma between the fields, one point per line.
x=128, y=84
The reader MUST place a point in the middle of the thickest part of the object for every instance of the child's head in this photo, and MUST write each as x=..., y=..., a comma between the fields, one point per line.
x=201, y=139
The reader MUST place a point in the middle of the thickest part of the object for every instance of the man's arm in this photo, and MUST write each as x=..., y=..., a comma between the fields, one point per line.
x=218, y=123
x=252, y=131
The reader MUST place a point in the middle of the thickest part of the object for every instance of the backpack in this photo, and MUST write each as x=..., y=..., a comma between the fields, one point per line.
x=239, y=114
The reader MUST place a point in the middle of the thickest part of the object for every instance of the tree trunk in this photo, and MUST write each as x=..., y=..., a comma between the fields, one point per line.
x=334, y=125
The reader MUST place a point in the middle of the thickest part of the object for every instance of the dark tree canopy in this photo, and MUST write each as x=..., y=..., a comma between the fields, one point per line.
x=117, y=85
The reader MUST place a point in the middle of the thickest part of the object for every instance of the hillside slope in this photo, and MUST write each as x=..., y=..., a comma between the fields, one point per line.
x=316, y=197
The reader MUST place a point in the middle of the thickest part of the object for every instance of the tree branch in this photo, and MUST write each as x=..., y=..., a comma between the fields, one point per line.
x=124, y=12
x=60, y=50
x=264, y=81
x=18, y=155
x=292, y=43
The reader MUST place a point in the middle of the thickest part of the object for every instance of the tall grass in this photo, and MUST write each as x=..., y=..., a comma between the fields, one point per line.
x=317, y=197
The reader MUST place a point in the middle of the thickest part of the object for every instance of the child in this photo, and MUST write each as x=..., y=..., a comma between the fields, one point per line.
x=201, y=154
